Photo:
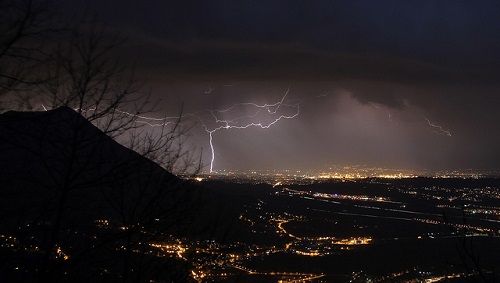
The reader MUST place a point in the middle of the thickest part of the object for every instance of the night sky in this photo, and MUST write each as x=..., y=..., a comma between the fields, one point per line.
x=397, y=84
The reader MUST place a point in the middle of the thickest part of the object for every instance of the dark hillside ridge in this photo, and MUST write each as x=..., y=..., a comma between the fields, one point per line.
x=62, y=133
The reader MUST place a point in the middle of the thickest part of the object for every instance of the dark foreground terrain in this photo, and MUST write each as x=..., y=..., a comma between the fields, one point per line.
x=367, y=230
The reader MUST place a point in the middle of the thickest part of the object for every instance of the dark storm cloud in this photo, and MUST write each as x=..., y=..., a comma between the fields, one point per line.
x=439, y=40
x=455, y=32
x=386, y=41
x=220, y=59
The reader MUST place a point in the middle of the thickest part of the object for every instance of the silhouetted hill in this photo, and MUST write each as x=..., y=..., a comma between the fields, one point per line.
x=61, y=178
x=52, y=136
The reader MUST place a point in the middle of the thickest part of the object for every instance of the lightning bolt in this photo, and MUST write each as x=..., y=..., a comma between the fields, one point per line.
x=141, y=119
x=210, y=89
x=231, y=84
x=378, y=107
x=437, y=128
x=241, y=122
x=440, y=129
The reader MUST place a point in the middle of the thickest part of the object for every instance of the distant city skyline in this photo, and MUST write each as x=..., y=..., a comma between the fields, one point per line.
x=411, y=85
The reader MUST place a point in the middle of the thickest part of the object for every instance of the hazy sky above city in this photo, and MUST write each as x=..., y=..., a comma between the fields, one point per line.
x=400, y=84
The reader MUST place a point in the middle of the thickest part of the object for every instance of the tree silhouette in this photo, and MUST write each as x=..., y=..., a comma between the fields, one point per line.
x=25, y=30
x=80, y=205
